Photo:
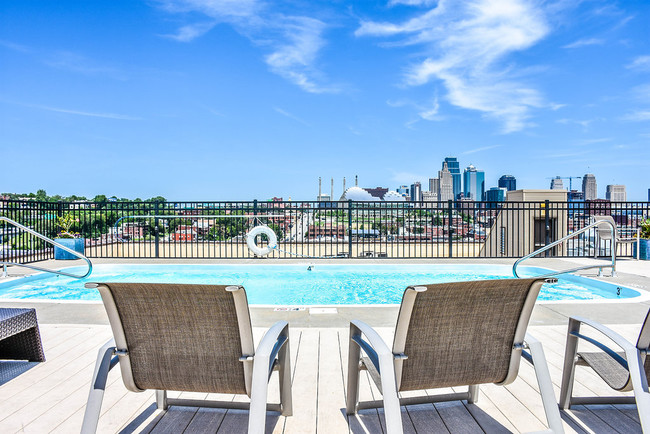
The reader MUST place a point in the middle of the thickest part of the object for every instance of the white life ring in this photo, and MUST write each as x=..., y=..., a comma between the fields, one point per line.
x=259, y=230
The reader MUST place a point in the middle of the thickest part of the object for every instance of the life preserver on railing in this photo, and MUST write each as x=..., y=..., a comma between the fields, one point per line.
x=261, y=230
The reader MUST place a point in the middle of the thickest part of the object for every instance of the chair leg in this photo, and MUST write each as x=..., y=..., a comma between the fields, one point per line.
x=473, y=394
x=286, y=401
x=553, y=417
x=161, y=399
x=568, y=371
x=105, y=363
x=354, y=356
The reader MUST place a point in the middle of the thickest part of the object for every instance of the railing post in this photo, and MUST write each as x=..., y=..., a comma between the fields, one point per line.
x=155, y=229
x=451, y=242
x=349, y=228
x=547, y=228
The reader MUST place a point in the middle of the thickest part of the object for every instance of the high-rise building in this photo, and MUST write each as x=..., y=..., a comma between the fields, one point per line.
x=575, y=196
x=404, y=191
x=589, y=188
x=508, y=182
x=416, y=192
x=616, y=193
x=430, y=196
x=557, y=183
x=454, y=168
x=496, y=194
x=474, y=182
x=445, y=184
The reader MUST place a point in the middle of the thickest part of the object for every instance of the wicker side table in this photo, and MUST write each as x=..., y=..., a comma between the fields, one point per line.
x=20, y=338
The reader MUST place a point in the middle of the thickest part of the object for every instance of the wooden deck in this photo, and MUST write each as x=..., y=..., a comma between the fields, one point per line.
x=50, y=396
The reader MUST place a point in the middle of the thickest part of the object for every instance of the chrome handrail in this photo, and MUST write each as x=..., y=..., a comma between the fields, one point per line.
x=571, y=235
x=48, y=240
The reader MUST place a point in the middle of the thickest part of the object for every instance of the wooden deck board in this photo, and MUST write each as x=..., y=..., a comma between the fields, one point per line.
x=51, y=396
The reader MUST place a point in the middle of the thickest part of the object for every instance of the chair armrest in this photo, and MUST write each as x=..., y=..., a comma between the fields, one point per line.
x=619, y=340
x=375, y=347
x=269, y=347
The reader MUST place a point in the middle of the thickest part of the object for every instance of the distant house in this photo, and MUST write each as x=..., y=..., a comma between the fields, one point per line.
x=185, y=233
x=133, y=230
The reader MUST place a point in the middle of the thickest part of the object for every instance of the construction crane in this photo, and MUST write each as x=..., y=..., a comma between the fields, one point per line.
x=570, y=178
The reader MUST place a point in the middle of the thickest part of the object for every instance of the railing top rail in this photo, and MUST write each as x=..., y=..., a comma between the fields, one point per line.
x=54, y=243
x=612, y=227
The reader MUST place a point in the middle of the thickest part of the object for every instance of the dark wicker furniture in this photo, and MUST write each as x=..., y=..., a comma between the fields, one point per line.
x=20, y=338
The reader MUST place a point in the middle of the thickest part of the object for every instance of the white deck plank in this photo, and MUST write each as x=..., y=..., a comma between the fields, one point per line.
x=331, y=391
x=305, y=405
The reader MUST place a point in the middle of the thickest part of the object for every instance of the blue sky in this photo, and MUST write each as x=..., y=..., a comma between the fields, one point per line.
x=244, y=99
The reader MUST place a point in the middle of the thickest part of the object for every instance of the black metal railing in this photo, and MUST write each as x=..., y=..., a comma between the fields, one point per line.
x=347, y=229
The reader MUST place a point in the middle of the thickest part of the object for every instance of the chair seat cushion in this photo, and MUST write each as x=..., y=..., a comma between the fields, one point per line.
x=615, y=375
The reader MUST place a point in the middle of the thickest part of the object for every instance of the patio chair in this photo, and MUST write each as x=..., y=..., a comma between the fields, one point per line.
x=20, y=337
x=604, y=232
x=194, y=338
x=622, y=371
x=448, y=335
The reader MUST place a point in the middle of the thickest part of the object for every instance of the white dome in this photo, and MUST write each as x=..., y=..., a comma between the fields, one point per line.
x=358, y=194
x=393, y=196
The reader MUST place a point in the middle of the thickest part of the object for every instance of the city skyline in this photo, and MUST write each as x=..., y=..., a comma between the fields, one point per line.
x=221, y=100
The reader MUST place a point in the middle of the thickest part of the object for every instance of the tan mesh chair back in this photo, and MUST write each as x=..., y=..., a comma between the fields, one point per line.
x=463, y=333
x=180, y=337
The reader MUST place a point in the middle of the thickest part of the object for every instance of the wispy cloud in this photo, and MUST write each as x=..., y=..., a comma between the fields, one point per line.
x=468, y=43
x=290, y=116
x=587, y=142
x=641, y=63
x=483, y=148
x=15, y=47
x=585, y=43
x=638, y=116
x=191, y=31
x=294, y=41
x=74, y=62
x=82, y=113
x=566, y=154
x=583, y=123
x=409, y=178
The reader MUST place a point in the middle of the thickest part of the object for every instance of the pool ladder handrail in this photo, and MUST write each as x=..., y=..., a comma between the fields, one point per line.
x=571, y=235
x=48, y=240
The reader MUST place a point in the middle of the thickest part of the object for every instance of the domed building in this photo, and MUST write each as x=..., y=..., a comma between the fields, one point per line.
x=393, y=196
x=357, y=194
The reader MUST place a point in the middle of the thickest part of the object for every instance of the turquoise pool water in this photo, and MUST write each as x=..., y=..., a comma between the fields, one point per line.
x=296, y=285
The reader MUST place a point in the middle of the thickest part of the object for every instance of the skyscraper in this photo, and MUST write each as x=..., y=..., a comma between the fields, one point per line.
x=474, y=181
x=416, y=192
x=454, y=168
x=445, y=184
x=508, y=182
x=589, y=188
x=616, y=193
x=557, y=184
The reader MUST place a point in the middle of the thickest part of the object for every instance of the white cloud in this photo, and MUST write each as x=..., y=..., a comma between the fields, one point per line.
x=84, y=113
x=295, y=55
x=641, y=63
x=290, y=116
x=408, y=178
x=191, y=31
x=638, y=116
x=467, y=43
x=484, y=148
x=295, y=41
x=412, y=2
x=584, y=43
x=431, y=114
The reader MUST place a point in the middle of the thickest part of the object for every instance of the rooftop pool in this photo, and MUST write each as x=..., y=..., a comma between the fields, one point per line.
x=297, y=285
